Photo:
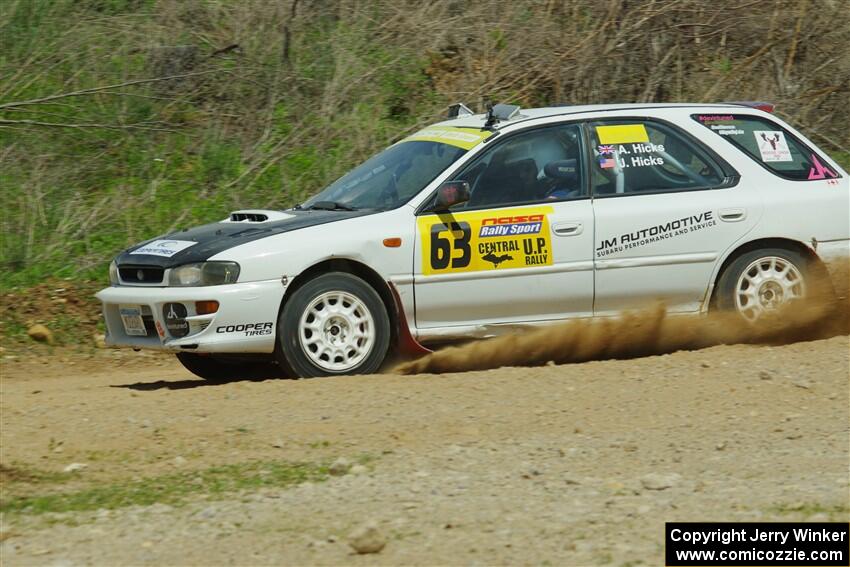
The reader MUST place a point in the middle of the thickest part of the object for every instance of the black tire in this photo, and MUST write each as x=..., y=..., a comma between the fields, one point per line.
x=727, y=285
x=292, y=354
x=225, y=369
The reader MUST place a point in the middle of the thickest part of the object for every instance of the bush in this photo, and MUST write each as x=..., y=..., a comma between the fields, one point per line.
x=262, y=103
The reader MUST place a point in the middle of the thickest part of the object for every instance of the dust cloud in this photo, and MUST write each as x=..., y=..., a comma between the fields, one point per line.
x=641, y=333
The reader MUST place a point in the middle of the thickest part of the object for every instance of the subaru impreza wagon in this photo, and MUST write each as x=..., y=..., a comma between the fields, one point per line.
x=485, y=222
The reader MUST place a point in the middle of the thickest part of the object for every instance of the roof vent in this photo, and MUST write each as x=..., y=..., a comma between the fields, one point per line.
x=240, y=216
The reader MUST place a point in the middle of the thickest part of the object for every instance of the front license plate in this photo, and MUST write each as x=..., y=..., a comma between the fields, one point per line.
x=131, y=316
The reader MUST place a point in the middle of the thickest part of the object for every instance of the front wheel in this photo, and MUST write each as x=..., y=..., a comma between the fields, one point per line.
x=334, y=324
x=762, y=281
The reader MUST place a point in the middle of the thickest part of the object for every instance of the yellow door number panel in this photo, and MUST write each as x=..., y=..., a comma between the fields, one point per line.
x=485, y=240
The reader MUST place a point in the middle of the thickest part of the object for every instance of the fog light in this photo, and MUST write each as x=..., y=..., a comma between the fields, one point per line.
x=206, y=307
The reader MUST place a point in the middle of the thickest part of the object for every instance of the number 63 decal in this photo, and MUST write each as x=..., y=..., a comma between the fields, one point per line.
x=441, y=246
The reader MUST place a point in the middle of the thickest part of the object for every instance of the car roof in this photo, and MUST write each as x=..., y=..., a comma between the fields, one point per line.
x=478, y=120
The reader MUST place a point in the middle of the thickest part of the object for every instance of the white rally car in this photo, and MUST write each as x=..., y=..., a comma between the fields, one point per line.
x=486, y=222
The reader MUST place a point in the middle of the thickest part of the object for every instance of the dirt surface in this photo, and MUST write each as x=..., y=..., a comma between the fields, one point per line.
x=575, y=464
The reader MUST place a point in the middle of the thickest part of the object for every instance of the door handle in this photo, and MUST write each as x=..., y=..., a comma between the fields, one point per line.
x=733, y=215
x=568, y=228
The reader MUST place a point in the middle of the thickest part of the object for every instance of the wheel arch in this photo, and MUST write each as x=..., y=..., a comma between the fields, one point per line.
x=774, y=242
x=356, y=268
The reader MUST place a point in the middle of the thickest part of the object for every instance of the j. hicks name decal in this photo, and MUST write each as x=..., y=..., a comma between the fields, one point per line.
x=629, y=155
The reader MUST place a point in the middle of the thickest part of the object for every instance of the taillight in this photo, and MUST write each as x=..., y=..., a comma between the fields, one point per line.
x=763, y=106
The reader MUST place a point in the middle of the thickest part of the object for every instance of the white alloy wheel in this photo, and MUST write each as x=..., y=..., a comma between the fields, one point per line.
x=336, y=331
x=767, y=284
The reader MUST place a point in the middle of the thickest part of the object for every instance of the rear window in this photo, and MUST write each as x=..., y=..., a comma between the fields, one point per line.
x=769, y=144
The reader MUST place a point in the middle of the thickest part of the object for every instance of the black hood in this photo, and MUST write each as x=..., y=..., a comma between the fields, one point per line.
x=217, y=237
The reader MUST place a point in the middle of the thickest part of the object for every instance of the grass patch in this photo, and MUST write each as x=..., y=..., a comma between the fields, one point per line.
x=172, y=489
x=835, y=512
x=23, y=475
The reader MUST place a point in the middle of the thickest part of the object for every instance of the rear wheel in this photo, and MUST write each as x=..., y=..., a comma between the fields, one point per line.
x=223, y=369
x=762, y=281
x=334, y=324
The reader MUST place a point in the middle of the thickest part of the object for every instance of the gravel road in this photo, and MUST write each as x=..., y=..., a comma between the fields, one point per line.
x=576, y=464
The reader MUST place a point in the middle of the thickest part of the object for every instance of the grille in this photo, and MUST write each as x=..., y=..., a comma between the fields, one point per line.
x=140, y=274
x=150, y=325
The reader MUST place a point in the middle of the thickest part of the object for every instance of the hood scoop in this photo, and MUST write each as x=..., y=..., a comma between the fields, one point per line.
x=253, y=216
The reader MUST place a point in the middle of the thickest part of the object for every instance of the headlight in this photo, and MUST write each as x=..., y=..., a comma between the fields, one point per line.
x=113, y=273
x=204, y=273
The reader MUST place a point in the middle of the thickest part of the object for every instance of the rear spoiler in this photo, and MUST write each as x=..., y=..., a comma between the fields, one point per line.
x=763, y=106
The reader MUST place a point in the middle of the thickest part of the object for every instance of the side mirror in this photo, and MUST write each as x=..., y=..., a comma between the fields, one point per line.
x=451, y=193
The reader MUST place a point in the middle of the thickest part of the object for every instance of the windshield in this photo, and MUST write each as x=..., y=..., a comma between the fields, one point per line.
x=398, y=173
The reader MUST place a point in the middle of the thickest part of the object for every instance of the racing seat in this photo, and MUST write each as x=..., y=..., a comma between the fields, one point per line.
x=503, y=183
x=563, y=174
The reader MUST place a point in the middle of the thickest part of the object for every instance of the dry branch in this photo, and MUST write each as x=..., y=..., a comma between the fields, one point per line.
x=5, y=122
x=95, y=90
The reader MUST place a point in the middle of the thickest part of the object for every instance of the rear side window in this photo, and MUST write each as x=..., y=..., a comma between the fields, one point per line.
x=768, y=144
x=645, y=156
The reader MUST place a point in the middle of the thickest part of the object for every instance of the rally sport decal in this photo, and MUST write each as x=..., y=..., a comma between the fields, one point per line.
x=486, y=240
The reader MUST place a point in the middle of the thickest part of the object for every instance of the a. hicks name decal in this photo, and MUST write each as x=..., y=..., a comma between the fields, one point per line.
x=657, y=233
x=622, y=146
x=629, y=155
x=485, y=240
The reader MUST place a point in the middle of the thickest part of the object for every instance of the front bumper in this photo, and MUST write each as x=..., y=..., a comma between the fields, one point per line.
x=246, y=320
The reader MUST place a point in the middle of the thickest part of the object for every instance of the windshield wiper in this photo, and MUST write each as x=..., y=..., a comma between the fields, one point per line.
x=330, y=206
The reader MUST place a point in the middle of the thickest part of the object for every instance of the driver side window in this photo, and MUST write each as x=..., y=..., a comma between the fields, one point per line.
x=636, y=156
x=540, y=165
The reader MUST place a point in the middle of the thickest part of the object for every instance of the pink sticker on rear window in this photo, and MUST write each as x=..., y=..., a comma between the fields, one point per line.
x=819, y=171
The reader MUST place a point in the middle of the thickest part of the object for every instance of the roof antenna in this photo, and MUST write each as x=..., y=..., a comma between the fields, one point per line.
x=491, y=118
x=498, y=113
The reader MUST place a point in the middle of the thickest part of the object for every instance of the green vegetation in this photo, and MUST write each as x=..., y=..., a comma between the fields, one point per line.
x=834, y=512
x=217, y=105
x=172, y=489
